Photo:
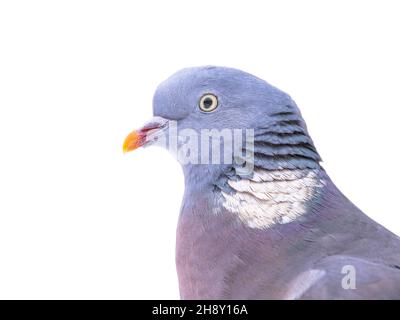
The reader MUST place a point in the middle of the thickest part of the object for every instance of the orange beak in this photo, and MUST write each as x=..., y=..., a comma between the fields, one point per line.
x=138, y=138
x=133, y=141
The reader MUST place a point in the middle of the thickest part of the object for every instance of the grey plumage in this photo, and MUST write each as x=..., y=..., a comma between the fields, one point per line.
x=283, y=232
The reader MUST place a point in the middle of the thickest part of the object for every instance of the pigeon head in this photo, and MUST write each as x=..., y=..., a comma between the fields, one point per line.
x=217, y=97
x=248, y=120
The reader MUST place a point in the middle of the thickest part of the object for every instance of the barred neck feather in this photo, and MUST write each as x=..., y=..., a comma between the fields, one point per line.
x=287, y=175
x=285, y=143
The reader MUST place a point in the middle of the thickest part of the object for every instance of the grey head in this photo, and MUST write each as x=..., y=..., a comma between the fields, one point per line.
x=243, y=101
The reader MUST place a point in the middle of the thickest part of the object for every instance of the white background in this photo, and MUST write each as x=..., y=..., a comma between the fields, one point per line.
x=78, y=219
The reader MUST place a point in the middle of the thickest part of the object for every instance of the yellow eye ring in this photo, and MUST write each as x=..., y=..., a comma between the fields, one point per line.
x=208, y=102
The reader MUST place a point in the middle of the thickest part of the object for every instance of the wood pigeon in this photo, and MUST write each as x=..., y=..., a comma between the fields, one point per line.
x=260, y=217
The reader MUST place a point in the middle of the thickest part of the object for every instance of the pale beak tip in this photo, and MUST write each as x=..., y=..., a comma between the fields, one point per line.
x=131, y=142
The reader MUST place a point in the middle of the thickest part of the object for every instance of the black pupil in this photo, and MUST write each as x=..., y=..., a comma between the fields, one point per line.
x=207, y=103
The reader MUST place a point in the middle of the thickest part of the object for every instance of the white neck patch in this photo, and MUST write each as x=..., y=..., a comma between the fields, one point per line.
x=272, y=197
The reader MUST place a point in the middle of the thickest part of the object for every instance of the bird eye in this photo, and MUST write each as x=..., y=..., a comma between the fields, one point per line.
x=208, y=103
